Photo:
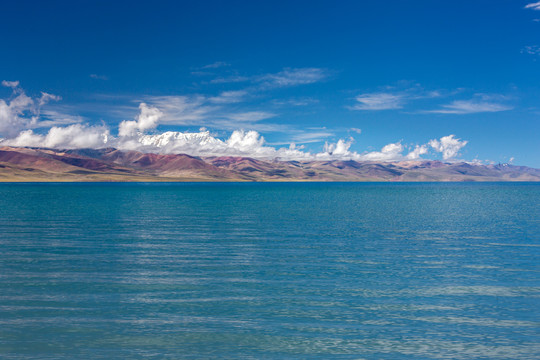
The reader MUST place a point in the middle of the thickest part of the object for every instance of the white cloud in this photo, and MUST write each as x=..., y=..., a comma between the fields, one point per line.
x=378, y=101
x=418, y=151
x=231, y=125
x=131, y=136
x=181, y=110
x=99, y=77
x=199, y=110
x=45, y=98
x=393, y=97
x=203, y=143
x=54, y=117
x=22, y=111
x=471, y=107
x=305, y=101
x=15, y=115
x=230, y=79
x=11, y=84
x=240, y=143
x=339, y=148
x=210, y=69
x=216, y=65
x=287, y=77
x=311, y=137
x=390, y=152
x=251, y=116
x=246, y=141
x=69, y=137
x=533, y=6
x=293, y=77
x=146, y=120
x=531, y=50
x=449, y=146
x=228, y=97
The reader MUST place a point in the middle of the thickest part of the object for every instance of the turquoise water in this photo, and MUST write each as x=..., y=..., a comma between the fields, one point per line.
x=270, y=271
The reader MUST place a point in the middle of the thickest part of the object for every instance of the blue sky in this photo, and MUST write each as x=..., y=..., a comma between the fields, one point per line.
x=371, y=73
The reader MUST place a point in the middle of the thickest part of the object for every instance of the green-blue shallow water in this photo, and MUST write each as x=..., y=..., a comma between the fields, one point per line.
x=270, y=271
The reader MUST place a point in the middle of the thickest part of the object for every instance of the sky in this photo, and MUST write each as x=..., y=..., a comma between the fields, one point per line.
x=365, y=80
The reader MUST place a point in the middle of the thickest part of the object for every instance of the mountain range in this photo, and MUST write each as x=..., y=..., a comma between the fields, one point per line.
x=40, y=164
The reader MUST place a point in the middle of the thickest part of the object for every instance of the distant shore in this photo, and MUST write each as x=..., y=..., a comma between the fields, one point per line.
x=112, y=165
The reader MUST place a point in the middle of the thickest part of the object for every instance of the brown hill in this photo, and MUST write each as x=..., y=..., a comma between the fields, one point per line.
x=36, y=164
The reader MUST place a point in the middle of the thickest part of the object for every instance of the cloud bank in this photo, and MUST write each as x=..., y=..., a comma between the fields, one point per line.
x=203, y=143
x=20, y=116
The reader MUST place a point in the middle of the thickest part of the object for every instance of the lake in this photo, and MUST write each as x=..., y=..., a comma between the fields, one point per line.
x=270, y=271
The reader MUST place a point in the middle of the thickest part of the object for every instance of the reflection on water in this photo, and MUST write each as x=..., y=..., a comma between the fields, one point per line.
x=264, y=271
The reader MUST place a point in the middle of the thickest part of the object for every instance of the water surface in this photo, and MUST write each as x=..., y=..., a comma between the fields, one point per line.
x=270, y=271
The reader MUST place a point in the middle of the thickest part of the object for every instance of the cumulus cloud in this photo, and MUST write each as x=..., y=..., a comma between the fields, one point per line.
x=203, y=143
x=132, y=136
x=146, y=120
x=338, y=149
x=22, y=111
x=21, y=115
x=390, y=152
x=418, y=151
x=449, y=146
x=70, y=137
x=16, y=115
